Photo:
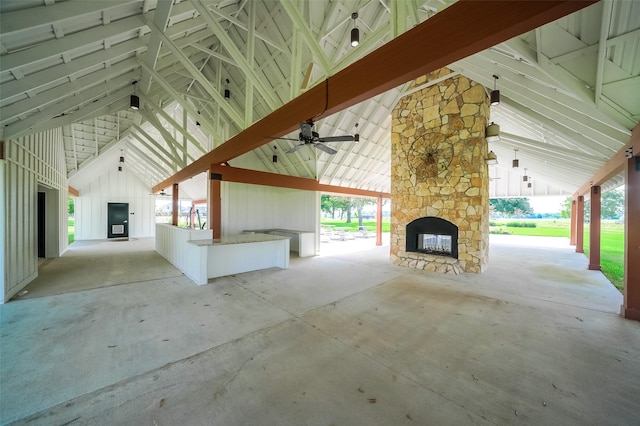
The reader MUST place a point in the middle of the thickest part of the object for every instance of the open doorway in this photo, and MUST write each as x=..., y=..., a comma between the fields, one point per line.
x=348, y=224
x=47, y=211
x=71, y=220
x=42, y=201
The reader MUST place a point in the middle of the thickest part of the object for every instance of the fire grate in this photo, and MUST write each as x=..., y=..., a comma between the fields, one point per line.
x=432, y=235
x=434, y=244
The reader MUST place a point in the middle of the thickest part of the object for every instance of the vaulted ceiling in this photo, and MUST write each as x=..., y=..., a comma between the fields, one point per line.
x=570, y=89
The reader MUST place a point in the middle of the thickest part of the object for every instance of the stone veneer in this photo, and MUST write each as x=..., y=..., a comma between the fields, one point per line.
x=438, y=168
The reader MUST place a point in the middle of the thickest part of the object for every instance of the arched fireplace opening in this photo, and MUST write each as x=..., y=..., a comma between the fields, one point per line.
x=432, y=235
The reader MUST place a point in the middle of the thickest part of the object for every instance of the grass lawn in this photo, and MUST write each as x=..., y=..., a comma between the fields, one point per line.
x=370, y=225
x=71, y=223
x=611, y=242
x=611, y=252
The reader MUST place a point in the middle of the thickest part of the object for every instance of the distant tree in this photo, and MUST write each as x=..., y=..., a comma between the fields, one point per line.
x=612, y=204
x=359, y=204
x=510, y=206
x=327, y=205
x=332, y=204
x=565, y=208
x=71, y=206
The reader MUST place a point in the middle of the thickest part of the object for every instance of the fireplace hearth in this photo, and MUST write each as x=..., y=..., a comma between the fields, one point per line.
x=432, y=235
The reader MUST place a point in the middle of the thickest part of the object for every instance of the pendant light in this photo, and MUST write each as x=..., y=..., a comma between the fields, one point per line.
x=121, y=162
x=495, y=93
x=492, y=158
x=134, y=100
x=355, y=32
x=525, y=178
x=227, y=92
x=492, y=132
x=356, y=137
x=516, y=162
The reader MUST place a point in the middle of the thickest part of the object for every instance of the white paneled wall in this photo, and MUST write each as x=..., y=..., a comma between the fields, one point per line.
x=113, y=187
x=262, y=207
x=32, y=161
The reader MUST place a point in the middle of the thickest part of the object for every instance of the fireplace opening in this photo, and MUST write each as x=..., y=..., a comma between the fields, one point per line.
x=432, y=235
x=434, y=244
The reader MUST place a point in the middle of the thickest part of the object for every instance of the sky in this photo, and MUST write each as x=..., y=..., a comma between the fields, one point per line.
x=548, y=204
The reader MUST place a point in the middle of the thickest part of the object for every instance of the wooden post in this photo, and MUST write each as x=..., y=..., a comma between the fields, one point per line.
x=580, y=225
x=632, y=240
x=572, y=238
x=215, y=204
x=379, y=221
x=174, y=205
x=594, y=227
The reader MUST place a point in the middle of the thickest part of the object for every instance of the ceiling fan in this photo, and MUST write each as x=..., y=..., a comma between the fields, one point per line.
x=160, y=194
x=308, y=136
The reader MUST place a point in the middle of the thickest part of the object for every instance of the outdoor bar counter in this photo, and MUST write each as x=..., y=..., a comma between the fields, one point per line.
x=202, y=257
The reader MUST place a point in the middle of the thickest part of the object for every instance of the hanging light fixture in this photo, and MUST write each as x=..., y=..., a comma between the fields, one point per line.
x=525, y=178
x=492, y=158
x=134, y=100
x=274, y=158
x=227, y=92
x=355, y=32
x=495, y=93
x=516, y=162
x=121, y=161
x=356, y=137
x=529, y=185
x=492, y=132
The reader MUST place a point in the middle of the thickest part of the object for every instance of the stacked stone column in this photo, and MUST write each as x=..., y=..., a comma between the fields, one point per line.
x=438, y=168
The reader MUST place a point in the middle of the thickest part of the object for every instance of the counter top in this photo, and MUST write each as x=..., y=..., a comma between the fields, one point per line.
x=237, y=239
x=181, y=228
x=265, y=231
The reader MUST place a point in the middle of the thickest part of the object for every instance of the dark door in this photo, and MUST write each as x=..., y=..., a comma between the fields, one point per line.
x=118, y=220
x=41, y=216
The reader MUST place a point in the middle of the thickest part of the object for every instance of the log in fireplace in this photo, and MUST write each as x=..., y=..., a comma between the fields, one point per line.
x=432, y=235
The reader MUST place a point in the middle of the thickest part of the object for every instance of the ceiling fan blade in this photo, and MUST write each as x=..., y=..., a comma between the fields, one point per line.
x=325, y=148
x=345, y=138
x=294, y=148
x=286, y=139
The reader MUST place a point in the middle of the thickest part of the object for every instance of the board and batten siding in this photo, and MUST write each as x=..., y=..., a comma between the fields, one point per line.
x=31, y=163
x=247, y=206
x=113, y=186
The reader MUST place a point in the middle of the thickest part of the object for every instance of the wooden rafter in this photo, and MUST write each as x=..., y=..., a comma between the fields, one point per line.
x=412, y=54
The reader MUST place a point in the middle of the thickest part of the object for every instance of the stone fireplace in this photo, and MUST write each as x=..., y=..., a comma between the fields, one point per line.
x=432, y=235
x=439, y=176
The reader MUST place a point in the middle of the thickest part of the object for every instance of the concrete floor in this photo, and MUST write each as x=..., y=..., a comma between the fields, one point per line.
x=338, y=339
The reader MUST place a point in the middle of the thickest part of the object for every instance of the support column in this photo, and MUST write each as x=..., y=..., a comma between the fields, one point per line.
x=572, y=238
x=594, y=229
x=580, y=225
x=215, y=204
x=379, y=221
x=632, y=240
x=174, y=205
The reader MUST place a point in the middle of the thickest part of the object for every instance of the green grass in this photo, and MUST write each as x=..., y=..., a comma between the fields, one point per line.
x=611, y=253
x=611, y=242
x=353, y=226
x=71, y=224
x=542, y=228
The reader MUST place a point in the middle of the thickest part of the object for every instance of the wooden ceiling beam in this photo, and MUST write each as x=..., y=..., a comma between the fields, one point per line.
x=461, y=30
x=254, y=177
